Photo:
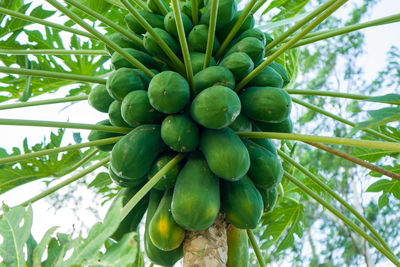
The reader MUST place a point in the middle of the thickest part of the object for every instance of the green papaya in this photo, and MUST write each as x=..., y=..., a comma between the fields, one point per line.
x=266, y=77
x=265, y=168
x=156, y=21
x=252, y=46
x=114, y=114
x=225, y=153
x=241, y=124
x=119, y=61
x=123, y=42
x=151, y=45
x=133, y=155
x=248, y=23
x=156, y=255
x=152, y=5
x=264, y=142
x=268, y=38
x=196, y=201
x=215, y=107
x=239, y=63
x=285, y=126
x=269, y=197
x=198, y=38
x=125, y=80
x=226, y=11
x=238, y=247
x=169, y=92
x=211, y=76
x=170, y=24
x=197, y=60
x=256, y=33
x=99, y=98
x=132, y=220
x=282, y=71
x=186, y=7
x=168, y=180
x=124, y=182
x=164, y=232
x=98, y=135
x=180, y=133
x=242, y=203
x=136, y=109
x=269, y=104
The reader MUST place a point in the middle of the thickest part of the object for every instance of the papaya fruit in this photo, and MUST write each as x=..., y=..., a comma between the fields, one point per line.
x=215, y=107
x=195, y=201
x=269, y=197
x=198, y=37
x=151, y=45
x=156, y=255
x=239, y=63
x=119, y=61
x=164, y=232
x=256, y=33
x=248, y=23
x=241, y=124
x=238, y=247
x=264, y=142
x=123, y=42
x=132, y=220
x=170, y=24
x=197, y=60
x=168, y=92
x=282, y=71
x=156, y=21
x=99, y=98
x=168, y=180
x=269, y=104
x=180, y=133
x=265, y=168
x=152, y=5
x=285, y=126
x=186, y=7
x=252, y=46
x=225, y=153
x=211, y=76
x=124, y=182
x=98, y=135
x=268, y=38
x=266, y=77
x=242, y=203
x=226, y=11
x=133, y=155
x=125, y=80
x=136, y=109
x=114, y=114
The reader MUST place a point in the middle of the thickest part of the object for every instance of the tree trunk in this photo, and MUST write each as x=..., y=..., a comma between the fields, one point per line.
x=207, y=248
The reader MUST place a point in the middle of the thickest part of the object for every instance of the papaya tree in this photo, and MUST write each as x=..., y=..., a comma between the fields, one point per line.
x=192, y=94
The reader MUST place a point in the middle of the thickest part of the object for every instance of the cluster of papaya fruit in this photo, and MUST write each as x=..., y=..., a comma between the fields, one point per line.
x=222, y=171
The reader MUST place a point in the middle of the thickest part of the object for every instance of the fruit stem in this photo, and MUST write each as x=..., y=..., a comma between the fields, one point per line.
x=44, y=102
x=235, y=28
x=108, y=22
x=338, y=118
x=390, y=146
x=211, y=32
x=255, y=248
x=66, y=182
x=286, y=46
x=52, y=74
x=54, y=52
x=76, y=165
x=259, y=4
x=70, y=125
x=163, y=45
x=300, y=24
x=195, y=12
x=183, y=42
x=45, y=23
x=101, y=37
x=142, y=4
x=342, y=217
x=337, y=94
x=317, y=180
x=149, y=185
x=45, y=152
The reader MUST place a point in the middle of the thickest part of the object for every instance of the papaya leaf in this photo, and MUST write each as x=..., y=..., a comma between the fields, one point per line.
x=57, y=248
x=378, y=118
x=102, y=179
x=288, y=8
x=15, y=229
x=387, y=187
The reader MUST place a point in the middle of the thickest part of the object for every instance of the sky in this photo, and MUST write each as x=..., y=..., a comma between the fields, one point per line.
x=378, y=40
